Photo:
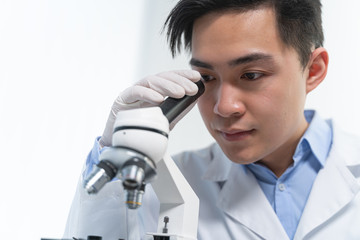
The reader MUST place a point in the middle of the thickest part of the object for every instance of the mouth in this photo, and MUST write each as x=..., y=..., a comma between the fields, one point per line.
x=236, y=135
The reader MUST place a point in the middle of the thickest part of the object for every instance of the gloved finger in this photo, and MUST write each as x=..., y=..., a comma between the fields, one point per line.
x=183, y=78
x=189, y=74
x=140, y=93
x=164, y=86
x=173, y=83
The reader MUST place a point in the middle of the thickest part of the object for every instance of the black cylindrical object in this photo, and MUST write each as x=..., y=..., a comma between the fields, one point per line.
x=173, y=107
x=94, y=238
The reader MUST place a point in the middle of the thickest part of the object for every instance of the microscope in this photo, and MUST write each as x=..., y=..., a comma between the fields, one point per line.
x=138, y=157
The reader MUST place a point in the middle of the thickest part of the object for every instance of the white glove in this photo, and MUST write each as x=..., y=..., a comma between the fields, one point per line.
x=151, y=91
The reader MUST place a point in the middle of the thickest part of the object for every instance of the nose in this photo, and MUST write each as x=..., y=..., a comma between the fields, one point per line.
x=229, y=101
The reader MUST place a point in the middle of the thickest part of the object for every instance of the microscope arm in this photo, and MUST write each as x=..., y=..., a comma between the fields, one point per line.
x=178, y=203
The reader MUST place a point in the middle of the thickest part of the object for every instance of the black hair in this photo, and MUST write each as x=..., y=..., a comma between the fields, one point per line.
x=298, y=21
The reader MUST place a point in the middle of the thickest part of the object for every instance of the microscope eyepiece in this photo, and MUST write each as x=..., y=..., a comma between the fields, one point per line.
x=173, y=107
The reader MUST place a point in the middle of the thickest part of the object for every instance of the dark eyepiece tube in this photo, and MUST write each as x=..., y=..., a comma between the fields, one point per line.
x=173, y=107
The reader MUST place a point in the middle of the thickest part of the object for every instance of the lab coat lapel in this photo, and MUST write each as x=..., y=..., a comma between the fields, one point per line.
x=334, y=187
x=242, y=198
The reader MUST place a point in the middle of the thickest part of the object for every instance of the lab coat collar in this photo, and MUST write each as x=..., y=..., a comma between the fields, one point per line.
x=242, y=199
x=335, y=186
x=241, y=196
x=219, y=167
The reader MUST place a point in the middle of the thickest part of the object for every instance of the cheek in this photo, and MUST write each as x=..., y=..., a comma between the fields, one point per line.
x=287, y=93
x=293, y=98
x=204, y=106
x=281, y=105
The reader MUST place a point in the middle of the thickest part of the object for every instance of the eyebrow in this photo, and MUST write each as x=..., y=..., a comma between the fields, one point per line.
x=253, y=57
x=197, y=63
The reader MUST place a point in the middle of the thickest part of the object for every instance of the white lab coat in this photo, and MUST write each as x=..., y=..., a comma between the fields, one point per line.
x=232, y=204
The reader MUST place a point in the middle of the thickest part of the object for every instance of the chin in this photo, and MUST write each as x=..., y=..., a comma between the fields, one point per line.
x=242, y=152
x=241, y=157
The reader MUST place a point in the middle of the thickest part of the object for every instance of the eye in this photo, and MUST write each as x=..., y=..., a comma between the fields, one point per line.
x=207, y=78
x=251, y=76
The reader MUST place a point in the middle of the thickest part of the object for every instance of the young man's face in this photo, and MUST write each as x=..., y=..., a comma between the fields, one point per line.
x=256, y=87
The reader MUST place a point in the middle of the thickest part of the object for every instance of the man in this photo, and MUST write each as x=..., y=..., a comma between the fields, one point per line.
x=275, y=172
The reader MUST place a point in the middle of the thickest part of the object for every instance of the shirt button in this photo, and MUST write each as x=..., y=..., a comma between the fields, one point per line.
x=281, y=187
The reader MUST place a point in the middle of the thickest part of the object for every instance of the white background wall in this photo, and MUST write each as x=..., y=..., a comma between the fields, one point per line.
x=63, y=62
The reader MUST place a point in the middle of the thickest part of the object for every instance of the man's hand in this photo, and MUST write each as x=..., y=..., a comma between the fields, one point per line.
x=151, y=91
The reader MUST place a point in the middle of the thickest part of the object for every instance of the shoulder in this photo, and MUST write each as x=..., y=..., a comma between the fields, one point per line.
x=345, y=139
x=346, y=144
x=208, y=163
x=201, y=156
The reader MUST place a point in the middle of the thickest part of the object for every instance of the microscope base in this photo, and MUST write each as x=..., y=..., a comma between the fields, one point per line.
x=164, y=236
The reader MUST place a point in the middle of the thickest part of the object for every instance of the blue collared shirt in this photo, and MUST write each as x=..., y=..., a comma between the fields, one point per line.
x=288, y=193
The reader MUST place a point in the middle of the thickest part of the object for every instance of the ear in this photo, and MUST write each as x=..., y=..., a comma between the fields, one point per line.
x=317, y=68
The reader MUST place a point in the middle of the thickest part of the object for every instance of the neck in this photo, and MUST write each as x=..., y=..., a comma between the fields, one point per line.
x=282, y=158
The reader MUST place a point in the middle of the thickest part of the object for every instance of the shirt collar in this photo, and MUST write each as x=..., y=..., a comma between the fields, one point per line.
x=317, y=138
